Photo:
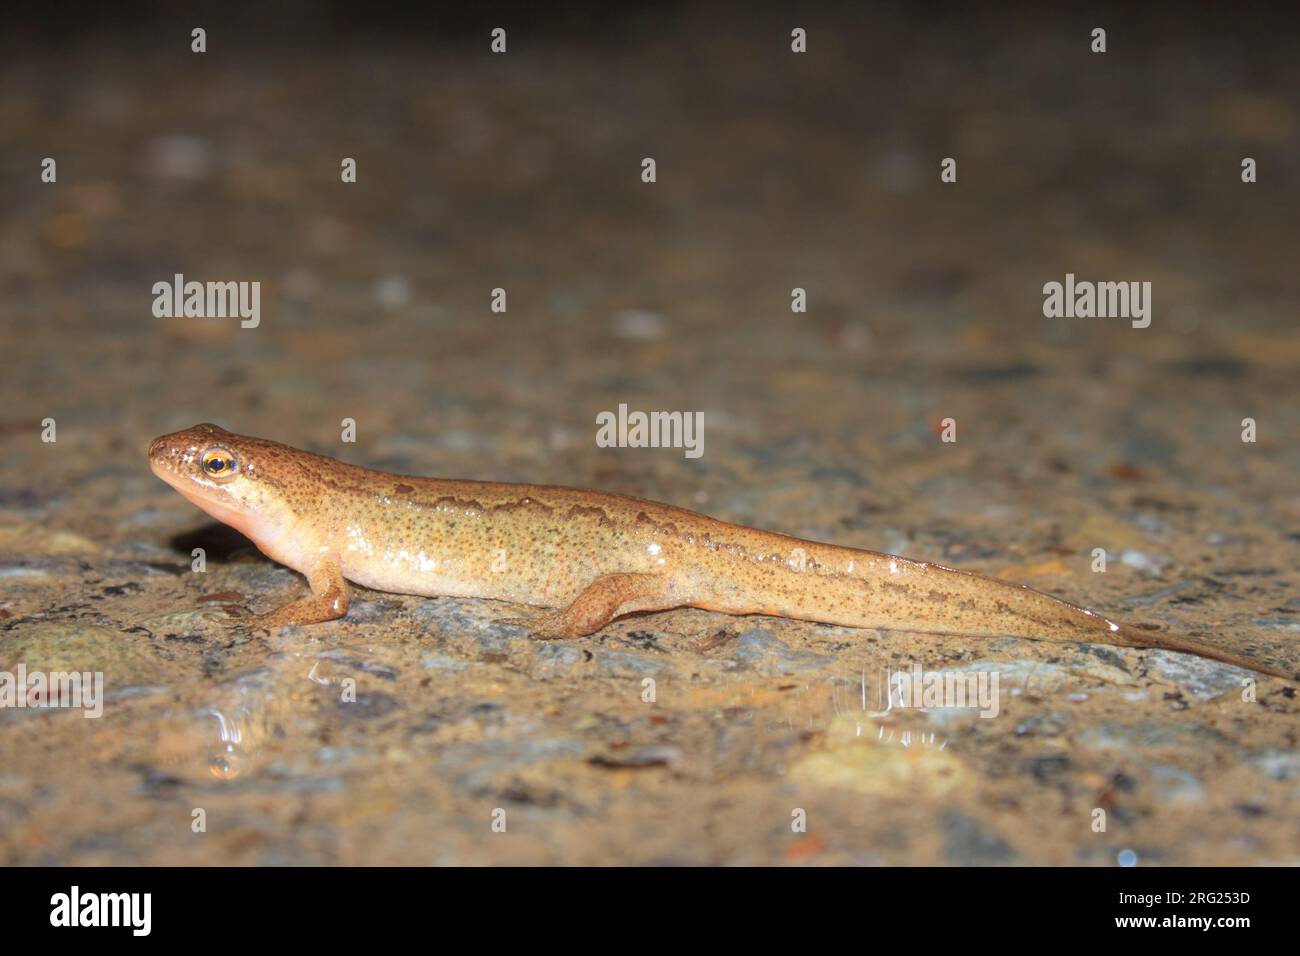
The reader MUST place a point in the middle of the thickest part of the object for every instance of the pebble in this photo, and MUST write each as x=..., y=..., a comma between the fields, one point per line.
x=628, y=664
x=1176, y=785
x=638, y=325
x=178, y=157
x=1276, y=764
x=58, y=646
x=761, y=650
x=1203, y=678
x=968, y=842
x=858, y=755
x=393, y=291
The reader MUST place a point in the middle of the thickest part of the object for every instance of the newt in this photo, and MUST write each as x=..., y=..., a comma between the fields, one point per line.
x=584, y=558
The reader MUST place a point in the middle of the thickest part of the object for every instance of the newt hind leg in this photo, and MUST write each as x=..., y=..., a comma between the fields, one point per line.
x=606, y=598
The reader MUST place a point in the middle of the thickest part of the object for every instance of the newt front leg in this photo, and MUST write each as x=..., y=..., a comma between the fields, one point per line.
x=328, y=600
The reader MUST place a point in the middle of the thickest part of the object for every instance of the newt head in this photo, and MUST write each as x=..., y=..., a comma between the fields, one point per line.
x=244, y=482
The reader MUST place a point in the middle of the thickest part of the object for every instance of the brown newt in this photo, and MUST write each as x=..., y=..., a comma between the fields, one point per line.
x=587, y=555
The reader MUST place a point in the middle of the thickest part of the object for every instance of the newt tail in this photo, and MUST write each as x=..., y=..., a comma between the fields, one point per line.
x=586, y=556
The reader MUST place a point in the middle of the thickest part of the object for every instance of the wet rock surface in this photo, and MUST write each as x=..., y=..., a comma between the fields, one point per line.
x=426, y=731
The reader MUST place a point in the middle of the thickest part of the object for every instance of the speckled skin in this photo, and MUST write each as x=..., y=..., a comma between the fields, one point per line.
x=591, y=555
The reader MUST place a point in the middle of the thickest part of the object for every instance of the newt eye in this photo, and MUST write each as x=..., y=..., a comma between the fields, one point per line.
x=219, y=463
